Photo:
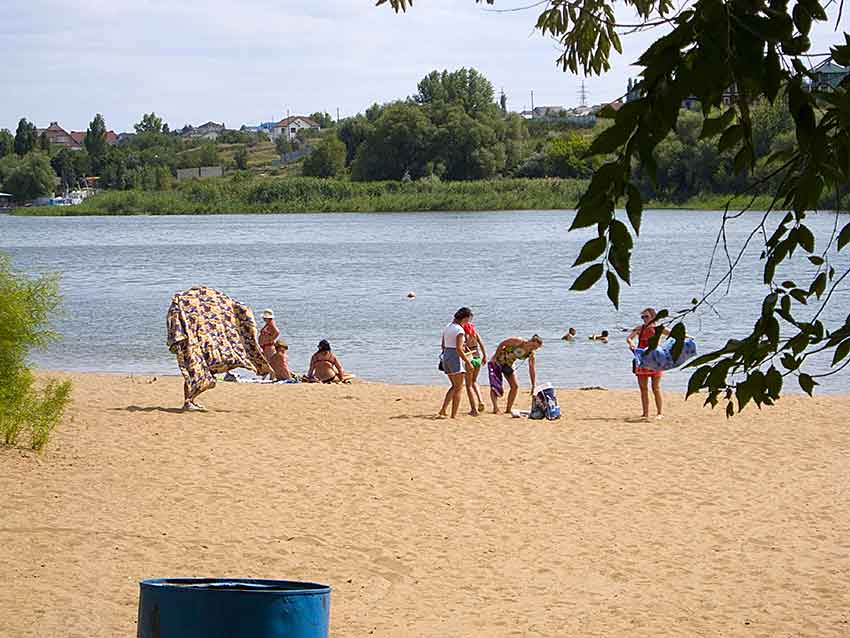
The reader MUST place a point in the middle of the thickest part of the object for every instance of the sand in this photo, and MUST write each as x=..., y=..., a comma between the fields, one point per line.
x=589, y=526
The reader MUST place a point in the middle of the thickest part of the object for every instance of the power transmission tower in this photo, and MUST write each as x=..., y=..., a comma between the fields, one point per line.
x=582, y=95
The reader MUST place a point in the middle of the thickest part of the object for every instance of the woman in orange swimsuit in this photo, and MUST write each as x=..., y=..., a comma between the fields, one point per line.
x=639, y=338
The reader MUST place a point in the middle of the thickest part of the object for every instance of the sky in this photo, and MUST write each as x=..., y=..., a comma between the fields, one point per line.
x=249, y=61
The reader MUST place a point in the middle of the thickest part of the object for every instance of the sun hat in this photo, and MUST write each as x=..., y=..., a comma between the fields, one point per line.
x=268, y=313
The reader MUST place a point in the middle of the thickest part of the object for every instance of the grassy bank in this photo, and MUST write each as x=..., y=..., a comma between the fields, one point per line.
x=242, y=194
x=303, y=194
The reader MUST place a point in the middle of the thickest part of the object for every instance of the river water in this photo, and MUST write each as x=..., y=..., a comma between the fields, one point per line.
x=345, y=277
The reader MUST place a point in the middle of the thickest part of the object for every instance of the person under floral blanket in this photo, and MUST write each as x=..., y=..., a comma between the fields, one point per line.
x=211, y=333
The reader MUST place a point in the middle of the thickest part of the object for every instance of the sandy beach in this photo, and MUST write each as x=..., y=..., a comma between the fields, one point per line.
x=589, y=526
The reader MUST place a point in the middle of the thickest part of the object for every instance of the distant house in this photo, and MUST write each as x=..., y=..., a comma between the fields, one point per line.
x=208, y=131
x=289, y=126
x=827, y=75
x=75, y=140
x=79, y=137
x=58, y=136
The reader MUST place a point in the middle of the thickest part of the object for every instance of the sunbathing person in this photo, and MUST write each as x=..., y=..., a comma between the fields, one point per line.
x=279, y=363
x=325, y=367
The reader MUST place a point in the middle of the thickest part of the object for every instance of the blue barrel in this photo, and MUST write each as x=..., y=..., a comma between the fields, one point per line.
x=232, y=608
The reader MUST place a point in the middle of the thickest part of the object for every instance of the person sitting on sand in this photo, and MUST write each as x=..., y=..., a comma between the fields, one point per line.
x=602, y=336
x=279, y=363
x=571, y=334
x=325, y=367
x=268, y=334
x=508, y=353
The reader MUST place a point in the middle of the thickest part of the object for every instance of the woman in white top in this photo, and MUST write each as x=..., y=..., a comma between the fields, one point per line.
x=454, y=360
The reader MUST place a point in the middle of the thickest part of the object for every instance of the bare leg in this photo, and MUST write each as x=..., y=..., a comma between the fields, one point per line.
x=469, y=382
x=656, y=390
x=512, y=393
x=476, y=389
x=644, y=395
x=495, y=400
x=457, y=388
x=447, y=399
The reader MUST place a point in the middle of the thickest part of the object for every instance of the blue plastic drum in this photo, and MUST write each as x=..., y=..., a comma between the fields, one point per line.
x=232, y=608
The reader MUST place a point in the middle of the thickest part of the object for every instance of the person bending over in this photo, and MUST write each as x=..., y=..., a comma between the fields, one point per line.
x=504, y=361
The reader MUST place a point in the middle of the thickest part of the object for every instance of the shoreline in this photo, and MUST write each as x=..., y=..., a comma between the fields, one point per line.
x=593, y=525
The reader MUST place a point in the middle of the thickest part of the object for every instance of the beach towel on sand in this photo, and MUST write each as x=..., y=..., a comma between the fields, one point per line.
x=211, y=333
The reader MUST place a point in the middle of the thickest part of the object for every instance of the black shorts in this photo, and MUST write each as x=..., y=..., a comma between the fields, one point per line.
x=507, y=370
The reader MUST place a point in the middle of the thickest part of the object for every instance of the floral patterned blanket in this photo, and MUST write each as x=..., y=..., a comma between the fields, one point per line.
x=211, y=333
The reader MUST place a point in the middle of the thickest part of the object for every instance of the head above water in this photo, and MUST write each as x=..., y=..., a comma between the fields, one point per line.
x=463, y=314
x=324, y=346
x=604, y=333
x=647, y=315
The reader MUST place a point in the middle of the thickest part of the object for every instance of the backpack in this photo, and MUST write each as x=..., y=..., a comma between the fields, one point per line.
x=544, y=404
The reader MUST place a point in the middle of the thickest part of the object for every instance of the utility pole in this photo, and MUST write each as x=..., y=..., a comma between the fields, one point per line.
x=337, y=115
x=532, y=102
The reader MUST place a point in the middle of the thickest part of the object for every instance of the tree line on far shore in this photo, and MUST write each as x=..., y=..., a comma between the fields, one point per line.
x=452, y=129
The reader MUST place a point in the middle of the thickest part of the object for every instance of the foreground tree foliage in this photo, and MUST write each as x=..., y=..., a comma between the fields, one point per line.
x=758, y=50
x=26, y=306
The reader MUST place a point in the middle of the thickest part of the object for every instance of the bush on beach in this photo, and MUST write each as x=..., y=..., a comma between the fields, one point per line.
x=26, y=305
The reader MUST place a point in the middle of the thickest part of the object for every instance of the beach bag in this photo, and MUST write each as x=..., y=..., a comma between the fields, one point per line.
x=661, y=358
x=544, y=403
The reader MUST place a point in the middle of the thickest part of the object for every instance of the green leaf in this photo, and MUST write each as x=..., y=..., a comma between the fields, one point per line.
x=730, y=137
x=773, y=382
x=634, y=207
x=818, y=285
x=841, y=351
x=589, y=277
x=807, y=383
x=844, y=237
x=806, y=238
x=789, y=361
x=677, y=333
x=743, y=392
x=620, y=236
x=800, y=296
x=613, y=288
x=609, y=140
x=713, y=126
x=802, y=18
x=620, y=261
x=817, y=261
x=768, y=305
x=591, y=251
x=697, y=380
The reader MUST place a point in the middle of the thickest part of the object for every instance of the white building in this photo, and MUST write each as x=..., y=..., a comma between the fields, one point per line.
x=290, y=126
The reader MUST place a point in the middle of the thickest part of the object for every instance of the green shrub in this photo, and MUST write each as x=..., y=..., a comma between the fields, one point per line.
x=26, y=306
